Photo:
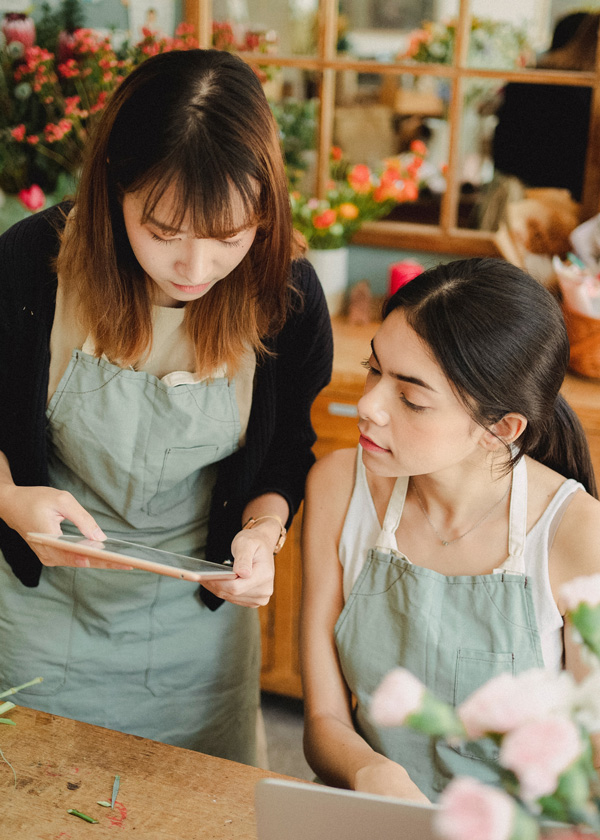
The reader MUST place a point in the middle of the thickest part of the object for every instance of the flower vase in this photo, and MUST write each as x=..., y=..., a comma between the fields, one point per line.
x=331, y=266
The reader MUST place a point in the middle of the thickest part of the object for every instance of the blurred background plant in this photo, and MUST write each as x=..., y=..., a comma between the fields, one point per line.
x=492, y=43
x=55, y=78
x=356, y=194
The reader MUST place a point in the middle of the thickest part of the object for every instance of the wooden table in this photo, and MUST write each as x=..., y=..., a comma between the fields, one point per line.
x=166, y=793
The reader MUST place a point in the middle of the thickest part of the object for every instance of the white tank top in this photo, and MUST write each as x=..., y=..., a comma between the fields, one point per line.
x=361, y=532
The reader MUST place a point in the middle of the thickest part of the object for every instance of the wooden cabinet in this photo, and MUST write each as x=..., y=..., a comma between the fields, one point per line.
x=334, y=417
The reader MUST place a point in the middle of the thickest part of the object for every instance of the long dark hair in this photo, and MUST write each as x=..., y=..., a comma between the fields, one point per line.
x=196, y=121
x=500, y=338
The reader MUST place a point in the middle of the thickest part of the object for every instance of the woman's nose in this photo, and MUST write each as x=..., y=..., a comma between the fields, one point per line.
x=195, y=266
x=371, y=407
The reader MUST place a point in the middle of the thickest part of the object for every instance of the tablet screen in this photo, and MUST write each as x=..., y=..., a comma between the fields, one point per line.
x=133, y=554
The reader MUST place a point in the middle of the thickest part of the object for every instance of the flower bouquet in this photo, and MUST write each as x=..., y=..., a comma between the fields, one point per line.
x=50, y=100
x=355, y=195
x=542, y=724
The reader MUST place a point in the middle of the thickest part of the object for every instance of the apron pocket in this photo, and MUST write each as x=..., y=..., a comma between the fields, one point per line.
x=473, y=669
x=180, y=469
x=35, y=630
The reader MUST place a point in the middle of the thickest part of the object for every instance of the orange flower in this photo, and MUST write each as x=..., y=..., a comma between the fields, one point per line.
x=418, y=147
x=347, y=210
x=336, y=153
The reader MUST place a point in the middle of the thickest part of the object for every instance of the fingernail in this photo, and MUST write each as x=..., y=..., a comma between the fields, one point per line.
x=98, y=535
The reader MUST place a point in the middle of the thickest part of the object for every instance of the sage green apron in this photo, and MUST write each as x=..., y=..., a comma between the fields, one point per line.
x=132, y=650
x=452, y=632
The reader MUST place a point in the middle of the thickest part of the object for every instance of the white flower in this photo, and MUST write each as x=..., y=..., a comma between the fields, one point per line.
x=587, y=702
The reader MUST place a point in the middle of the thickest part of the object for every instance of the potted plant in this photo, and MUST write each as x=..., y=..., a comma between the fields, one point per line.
x=355, y=194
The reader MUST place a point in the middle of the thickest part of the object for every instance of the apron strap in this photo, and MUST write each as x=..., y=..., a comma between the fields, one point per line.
x=517, y=523
x=393, y=515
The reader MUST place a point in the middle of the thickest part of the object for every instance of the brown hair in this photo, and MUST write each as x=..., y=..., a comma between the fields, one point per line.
x=198, y=121
x=579, y=51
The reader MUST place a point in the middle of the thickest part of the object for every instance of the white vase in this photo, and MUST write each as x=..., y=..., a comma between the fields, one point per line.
x=332, y=270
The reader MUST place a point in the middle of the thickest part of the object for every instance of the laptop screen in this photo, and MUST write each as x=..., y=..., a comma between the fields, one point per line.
x=289, y=810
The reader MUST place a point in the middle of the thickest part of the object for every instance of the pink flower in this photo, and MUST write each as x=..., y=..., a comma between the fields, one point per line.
x=19, y=27
x=33, y=198
x=398, y=695
x=580, y=590
x=470, y=810
x=506, y=702
x=538, y=752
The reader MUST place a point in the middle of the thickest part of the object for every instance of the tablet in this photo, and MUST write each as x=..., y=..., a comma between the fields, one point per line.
x=136, y=555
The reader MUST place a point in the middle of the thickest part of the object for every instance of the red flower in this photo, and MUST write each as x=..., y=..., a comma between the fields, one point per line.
x=324, y=220
x=33, y=198
x=19, y=133
x=359, y=178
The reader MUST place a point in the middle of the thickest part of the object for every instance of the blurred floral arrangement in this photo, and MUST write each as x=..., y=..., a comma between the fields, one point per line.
x=225, y=37
x=49, y=99
x=492, y=43
x=542, y=724
x=356, y=194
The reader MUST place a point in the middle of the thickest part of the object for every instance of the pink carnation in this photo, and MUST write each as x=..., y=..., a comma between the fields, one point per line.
x=580, y=590
x=398, y=695
x=470, y=810
x=538, y=752
x=506, y=702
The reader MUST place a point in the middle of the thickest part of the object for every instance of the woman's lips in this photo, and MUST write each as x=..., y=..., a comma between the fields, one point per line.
x=369, y=445
x=192, y=290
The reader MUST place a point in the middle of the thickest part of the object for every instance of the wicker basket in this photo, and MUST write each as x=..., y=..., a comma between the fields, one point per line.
x=584, y=338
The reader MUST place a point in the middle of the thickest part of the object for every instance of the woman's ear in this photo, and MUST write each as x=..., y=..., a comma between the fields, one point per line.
x=505, y=431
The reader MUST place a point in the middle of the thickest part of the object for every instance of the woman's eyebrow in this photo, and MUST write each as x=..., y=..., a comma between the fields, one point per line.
x=401, y=377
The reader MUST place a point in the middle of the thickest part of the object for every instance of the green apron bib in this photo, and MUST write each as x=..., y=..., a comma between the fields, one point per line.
x=131, y=650
x=452, y=632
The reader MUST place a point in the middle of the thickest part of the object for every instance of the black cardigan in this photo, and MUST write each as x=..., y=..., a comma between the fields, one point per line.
x=277, y=454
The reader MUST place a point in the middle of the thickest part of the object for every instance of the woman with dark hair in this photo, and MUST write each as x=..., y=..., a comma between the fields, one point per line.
x=161, y=343
x=541, y=137
x=441, y=544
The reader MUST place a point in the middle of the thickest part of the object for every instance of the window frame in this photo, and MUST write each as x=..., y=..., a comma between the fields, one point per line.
x=445, y=237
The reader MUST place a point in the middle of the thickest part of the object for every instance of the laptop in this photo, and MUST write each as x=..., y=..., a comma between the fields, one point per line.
x=290, y=810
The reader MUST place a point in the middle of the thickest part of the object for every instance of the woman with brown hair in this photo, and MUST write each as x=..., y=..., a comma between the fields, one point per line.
x=160, y=348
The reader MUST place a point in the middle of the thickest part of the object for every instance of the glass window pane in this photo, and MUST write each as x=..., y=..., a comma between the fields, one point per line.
x=297, y=120
x=379, y=30
x=278, y=27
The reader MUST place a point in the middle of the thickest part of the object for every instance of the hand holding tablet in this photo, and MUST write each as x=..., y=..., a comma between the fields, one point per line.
x=122, y=552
